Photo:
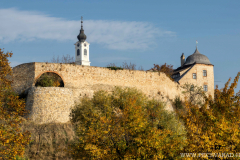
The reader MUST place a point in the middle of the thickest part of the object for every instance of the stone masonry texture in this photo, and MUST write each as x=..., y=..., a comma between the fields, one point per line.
x=47, y=104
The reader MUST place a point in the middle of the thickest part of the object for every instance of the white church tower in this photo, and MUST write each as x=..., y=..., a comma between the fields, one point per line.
x=82, y=48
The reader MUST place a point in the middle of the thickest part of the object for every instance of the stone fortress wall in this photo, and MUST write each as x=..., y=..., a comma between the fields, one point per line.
x=54, y=103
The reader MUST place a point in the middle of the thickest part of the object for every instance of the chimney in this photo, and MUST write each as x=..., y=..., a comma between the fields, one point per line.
x=182, y=59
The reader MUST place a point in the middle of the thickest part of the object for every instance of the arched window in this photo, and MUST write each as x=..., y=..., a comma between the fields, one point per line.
x=78, y=52
x=85, y=52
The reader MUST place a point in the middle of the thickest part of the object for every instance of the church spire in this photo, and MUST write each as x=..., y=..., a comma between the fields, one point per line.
x=82, y=37
x=196, y=51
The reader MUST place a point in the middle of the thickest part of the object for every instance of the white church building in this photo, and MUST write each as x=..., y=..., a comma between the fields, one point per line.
x=82, y=49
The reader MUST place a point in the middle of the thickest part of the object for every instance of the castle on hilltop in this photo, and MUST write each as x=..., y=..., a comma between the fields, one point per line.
x=196, y=70
x=53, y=104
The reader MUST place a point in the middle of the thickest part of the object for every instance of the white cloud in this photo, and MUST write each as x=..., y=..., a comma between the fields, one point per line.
x=29, y=26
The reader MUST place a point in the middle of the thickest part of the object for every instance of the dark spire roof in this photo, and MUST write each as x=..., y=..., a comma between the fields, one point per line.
x=82, y=37
x=182, y=55
x=197, y=57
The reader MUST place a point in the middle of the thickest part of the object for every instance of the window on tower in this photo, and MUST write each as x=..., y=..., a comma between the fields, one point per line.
x=78, y=44
x=205, y=87
x=85, y=52
x=78, y=52
x=194, y=76
x=85, y=44
x=205, y=73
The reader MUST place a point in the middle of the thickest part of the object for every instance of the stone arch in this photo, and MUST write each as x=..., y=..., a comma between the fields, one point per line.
x=35, y=81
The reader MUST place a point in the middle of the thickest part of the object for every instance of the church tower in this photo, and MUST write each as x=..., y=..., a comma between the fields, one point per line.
x=82, y=48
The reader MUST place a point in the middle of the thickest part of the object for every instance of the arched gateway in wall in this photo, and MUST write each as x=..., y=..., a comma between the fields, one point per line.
x=48, y=104
x=49, y=75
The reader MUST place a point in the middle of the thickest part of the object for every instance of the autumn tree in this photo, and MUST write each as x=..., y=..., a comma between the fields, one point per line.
x=12, y=140
x=194, y=94
x=167, y=69
x=49, y=79
x=125, y=125
x=214, y=126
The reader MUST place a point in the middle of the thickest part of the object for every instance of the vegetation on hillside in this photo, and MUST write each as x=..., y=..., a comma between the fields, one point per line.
x=214, y=126
x=49, y=141
x=122, y=125
x=125, y=125
x=12, y=139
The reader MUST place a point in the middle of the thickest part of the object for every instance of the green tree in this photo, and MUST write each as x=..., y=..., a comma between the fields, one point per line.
x=12, y=140
x=49, y=79
x=167, y=69
x=214, y=126
x=195, y=94
x=125, y=125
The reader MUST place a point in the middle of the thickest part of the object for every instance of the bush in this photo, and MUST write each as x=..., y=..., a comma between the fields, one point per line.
x=12, y=140
x=178, y=103
x=49, y=79
x=125, y=125
x=115, y=68
x=213, y=127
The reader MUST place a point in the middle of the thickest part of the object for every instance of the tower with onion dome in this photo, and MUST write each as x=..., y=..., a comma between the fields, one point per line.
x=82, y=48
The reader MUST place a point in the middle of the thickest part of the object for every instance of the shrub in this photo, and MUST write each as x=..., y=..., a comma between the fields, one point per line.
x=12, y=140
x=115, y=68
x=178, y=103
x=214, y=126
x=125, y=125
x=49, y=79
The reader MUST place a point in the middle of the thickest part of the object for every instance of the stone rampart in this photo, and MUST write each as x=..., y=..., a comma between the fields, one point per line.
x=47, y=104
x=23, y=77
x=84, y=80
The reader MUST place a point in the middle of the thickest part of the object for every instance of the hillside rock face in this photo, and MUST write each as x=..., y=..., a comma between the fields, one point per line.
x=47, y=104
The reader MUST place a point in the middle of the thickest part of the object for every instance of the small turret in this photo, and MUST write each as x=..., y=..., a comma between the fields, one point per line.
x=182, y=59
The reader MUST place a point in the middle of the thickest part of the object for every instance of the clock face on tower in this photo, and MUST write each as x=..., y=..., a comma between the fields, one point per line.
x=78, y=44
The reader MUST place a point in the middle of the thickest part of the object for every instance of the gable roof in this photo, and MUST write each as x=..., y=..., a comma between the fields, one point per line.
x=179, y=69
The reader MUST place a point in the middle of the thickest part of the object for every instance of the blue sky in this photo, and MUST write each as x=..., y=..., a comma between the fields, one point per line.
x=136, y=31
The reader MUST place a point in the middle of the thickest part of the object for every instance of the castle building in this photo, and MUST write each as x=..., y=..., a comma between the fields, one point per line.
x=82, y=48
x=54, y=104
x=196, y=70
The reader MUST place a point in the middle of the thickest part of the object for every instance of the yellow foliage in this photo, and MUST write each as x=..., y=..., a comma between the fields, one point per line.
x=214, y=127
x=12, y=140
x=56, y=84
x=124, y=125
